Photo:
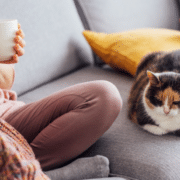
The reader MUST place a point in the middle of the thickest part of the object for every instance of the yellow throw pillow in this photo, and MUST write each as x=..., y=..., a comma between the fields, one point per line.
x=124, y=50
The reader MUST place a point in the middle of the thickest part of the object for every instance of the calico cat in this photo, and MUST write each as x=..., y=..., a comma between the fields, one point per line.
x=154, y=100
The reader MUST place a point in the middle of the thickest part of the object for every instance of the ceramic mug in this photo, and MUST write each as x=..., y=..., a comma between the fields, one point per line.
x=8, y=29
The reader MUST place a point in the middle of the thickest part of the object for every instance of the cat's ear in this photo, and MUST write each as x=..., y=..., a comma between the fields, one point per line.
x=153, y=79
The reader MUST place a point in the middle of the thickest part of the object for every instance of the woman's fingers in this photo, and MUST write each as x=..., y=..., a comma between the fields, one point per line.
x=20, y=41
x=20, y=33
x=13, y=60
x=19, y=50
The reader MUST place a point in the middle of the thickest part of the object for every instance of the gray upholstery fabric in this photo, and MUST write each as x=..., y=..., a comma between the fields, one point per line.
x=54, y=42
x=89, y=73
x=121, y=15
x=132, y=152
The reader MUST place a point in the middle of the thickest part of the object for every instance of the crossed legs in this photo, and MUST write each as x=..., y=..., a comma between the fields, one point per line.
x=63, y=125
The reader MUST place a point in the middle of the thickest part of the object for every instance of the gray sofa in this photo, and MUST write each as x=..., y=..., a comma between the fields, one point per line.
x=58, y=56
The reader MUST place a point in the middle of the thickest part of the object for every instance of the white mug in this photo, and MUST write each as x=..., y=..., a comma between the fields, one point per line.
x=8, y=29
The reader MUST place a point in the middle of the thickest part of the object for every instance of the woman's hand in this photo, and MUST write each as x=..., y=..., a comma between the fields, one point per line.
x=20, y=44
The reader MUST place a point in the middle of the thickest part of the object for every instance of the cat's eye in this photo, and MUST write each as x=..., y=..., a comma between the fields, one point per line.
x=176, y=102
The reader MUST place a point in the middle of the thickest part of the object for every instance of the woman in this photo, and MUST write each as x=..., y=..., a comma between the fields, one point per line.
x=63, y=125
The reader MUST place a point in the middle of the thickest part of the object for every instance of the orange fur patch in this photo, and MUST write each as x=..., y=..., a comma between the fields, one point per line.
x=171, y=95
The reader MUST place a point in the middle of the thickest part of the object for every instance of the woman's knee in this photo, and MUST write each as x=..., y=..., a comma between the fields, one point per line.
x=110, y=101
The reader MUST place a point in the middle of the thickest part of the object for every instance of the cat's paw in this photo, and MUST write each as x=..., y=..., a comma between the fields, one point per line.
x=154, y=129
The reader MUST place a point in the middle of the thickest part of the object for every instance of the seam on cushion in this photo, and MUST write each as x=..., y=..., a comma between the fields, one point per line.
x=86, y=14
x=82, y=15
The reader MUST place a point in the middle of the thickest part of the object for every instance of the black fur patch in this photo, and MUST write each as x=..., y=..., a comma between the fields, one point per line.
x=142, y=117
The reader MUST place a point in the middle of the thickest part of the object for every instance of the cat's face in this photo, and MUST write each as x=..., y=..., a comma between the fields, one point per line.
x=162, y=94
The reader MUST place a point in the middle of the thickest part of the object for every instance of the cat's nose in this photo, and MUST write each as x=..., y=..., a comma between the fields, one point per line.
x=166, y=110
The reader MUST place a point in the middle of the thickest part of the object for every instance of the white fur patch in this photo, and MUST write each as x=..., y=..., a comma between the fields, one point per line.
x=166, y=103
x=154, y=129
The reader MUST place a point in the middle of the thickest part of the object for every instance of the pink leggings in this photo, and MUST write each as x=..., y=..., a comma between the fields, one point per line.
x=63, y=125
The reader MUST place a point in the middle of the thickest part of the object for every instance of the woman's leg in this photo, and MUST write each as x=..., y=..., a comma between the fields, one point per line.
x=63, y=125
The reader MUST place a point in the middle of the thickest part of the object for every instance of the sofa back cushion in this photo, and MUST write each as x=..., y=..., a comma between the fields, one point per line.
x=54, y=42
x=122, y=15
x=119, y=15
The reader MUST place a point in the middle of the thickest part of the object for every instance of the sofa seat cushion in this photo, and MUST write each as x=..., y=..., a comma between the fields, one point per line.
x=132, y=152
